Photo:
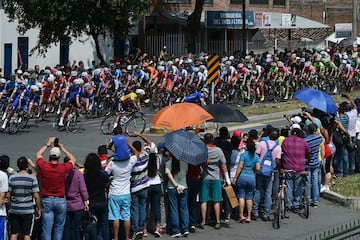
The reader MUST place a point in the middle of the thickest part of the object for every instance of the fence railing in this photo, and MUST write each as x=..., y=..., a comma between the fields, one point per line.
x=348, y=231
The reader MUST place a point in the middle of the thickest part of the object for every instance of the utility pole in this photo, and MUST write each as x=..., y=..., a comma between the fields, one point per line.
x=354, y=19
x=244, y=35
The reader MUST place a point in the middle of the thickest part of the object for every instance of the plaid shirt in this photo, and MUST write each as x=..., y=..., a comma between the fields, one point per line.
x=295, y=150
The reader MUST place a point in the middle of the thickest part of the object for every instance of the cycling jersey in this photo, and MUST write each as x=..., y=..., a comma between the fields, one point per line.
x=193, y=98
x=130, y=98
x=74, y=91
x=9, y=87
x=140, y=74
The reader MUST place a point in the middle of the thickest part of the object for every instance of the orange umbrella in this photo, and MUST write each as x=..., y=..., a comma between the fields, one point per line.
x=180, y=115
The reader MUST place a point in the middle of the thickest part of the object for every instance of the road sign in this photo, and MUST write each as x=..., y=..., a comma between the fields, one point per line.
x=213, y=67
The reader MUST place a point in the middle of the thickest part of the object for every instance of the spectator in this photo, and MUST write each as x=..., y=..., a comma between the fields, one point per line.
x=103, y=156
x=211, y=190
x=77, y=200
x=263, y=189
x=23, y=192
x=194, y=184
x=352, y=113
x=139, y=184
x=245, y=180
x=154, y=192
x=177, y=193
x=295, y=152
x=119, y=191
x=315, y=142
x=52, y=175
x=4, y=185
x=96, y=181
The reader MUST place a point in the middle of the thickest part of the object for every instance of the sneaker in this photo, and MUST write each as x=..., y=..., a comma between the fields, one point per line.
x=266, y=218
x=201, y=226
x=192, y=229
x=286, y=97
x=254, y=217
x=176, y=235
x=324, y=189
x=138, y=235
x=217, y=226
x=335, y=90
x=185, y=234
x=262, y=98
x=157, y=234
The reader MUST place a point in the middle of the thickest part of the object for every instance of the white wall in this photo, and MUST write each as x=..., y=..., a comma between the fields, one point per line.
x=83, y=50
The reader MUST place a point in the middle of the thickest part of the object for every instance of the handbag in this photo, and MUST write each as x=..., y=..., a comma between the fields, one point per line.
x=350, y=146
x=340, y=137
x=328, y=151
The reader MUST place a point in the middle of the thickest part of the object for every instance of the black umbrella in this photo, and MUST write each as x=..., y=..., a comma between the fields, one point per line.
x=224, y=113
x=347, y=42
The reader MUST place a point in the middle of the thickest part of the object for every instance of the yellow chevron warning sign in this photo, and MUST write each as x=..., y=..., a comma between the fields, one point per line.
x=213, y=67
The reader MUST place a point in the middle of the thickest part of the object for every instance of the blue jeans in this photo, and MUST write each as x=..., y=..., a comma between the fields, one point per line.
x=153, y=203
x=138, y=210
x=293, y=190
x=193, y=191
x=179, y=213
x=312, y=183
x=341, y=161
x=72, y=225
x=53, y=216
x=263, y=191
x=100, y=211
x=352, y=158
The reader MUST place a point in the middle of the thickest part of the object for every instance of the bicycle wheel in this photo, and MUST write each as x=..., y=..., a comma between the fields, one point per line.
x=305, y=203
x=107, y=124
x=14, y=125
x=277, y=213
x=74, y=124
x=136, y=123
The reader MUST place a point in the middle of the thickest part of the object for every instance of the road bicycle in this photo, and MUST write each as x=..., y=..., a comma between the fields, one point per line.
x=72, y=123
x=132, y=121
x=305, y=201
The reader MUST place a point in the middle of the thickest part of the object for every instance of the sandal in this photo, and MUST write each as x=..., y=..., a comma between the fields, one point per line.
x=241, y=220
x=247, y=220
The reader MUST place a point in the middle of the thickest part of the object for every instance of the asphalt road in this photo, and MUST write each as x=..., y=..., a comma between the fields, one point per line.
x=328, y=215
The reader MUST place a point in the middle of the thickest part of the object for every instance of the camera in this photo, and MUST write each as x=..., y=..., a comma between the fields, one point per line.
x=56, y=142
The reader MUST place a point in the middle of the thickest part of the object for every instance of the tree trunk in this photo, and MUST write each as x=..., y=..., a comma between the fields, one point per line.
x=97, y=48
x=193, y=25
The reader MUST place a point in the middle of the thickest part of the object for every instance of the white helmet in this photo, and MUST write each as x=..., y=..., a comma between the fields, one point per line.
x=78, y=81
x=58, y=73
x=2, y=80
x=51, y=78
x=205, y=90
x=47, y=72
x=87, y=86
x=84, y=74
x=170, y=63
x=160, y=68
x=129, y=67
x=74, y=73
x=231, y=58
x=196, y=69
x=19, y=72
x=202, y=67
x=34, y=88
x=140, y=91
x=39, y=84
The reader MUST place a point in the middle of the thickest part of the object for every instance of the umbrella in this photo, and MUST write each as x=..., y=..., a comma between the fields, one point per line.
x=224, y=113
x=317, y=99
x=347, y=42
x=186, y=147
x=180, y=115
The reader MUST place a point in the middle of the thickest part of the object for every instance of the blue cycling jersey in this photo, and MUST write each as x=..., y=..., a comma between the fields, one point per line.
x=75, y=91
x=141, y=74
x=193, y=98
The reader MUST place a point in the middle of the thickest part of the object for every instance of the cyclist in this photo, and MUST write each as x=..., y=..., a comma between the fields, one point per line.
x=35, y=97
x=129, y=103
x=139, y=76
x=197, y=97
x=73, y=92
x=243, y=74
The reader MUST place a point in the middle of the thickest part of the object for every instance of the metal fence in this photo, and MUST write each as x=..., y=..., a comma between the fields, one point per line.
x=348, y=231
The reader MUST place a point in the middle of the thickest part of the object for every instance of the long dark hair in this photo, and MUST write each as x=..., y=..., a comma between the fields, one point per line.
x=251, y=147
x=92, y=166
x=152, y=165
x=175, y=166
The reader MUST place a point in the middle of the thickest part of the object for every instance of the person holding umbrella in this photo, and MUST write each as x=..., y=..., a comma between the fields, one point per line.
x=177, y=194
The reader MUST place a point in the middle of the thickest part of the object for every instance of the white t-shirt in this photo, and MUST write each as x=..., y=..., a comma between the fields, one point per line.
x=4, y=187
x=352, y=122
x=121, y=172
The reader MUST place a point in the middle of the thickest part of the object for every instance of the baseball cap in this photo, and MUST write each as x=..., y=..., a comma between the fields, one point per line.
x=253, y=133
x=55, y=152
x=296, y=119
x=295, y=126
x=237, y=133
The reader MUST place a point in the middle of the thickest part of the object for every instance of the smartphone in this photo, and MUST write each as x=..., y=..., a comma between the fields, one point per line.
x=56, y=142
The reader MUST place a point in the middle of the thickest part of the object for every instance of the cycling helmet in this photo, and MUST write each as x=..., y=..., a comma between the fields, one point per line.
x=129, y=67
x=140, y=91
x=39, y=85
x=106, y=70
x=202, y=67
x=87, y=86
x=58, y=73
x=47, y=72
x=318, y=58
x=228, y=63
x=344, y=61
x=247, y=57
x=84, y=74
x=78, y=81
x=160, y=68
x=273, y=64
x=2, y=80
x=136, y=67
x=97, y=72
x=302, y=60
x=196, y=69
x=205, y=90
x=170, y=63
x=280, y=64
x=19, y=72
x=26, y=74
x=268, y=55
x=34, y=88
x=231, y=58
x=307, y=64
x=268, y=60
x=354, y=55
x=240, y=65
x=345, y=56
x=74, y=73
x=51, y=78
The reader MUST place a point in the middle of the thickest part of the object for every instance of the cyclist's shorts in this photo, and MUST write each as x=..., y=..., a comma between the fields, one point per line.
x=71, y=102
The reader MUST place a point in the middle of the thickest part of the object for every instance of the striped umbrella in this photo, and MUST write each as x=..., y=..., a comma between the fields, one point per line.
x=187, y=147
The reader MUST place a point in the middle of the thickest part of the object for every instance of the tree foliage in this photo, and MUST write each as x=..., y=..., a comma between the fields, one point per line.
x=67, y=19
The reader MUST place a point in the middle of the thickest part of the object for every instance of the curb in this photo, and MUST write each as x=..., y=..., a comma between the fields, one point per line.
x=348, y=202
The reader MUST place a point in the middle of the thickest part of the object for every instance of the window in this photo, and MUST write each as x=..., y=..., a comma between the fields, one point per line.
x=210, y=2
x=279, y=2
x=236, y=1
x=23, y=52
x=178, y=1
x=262, y=2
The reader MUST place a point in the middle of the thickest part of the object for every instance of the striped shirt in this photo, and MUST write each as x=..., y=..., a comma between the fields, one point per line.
x=22, y=188
x=314, y=141
x=344, y=121
x=139, y=173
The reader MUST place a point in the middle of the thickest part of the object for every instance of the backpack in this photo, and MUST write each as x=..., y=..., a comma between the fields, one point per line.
x=267, y=164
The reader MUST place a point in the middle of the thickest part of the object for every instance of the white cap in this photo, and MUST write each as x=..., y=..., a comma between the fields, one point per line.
x=295, y=126
x=55, y=152
x=296, y=119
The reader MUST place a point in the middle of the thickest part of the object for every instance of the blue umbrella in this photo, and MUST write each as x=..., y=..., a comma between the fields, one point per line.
x=187, y=147
x=317, y=99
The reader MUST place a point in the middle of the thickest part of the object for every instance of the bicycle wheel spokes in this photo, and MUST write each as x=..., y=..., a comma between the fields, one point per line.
x=305, y=204
x=277, y=213
x=74, y=124
x=107, y=124
x=14, y=125
x=135, y=124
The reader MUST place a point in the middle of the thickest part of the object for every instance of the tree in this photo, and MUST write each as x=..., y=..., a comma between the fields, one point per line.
x=193, y=25
x=67, y=19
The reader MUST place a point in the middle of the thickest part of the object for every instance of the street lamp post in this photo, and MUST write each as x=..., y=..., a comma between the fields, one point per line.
x=244, y=26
